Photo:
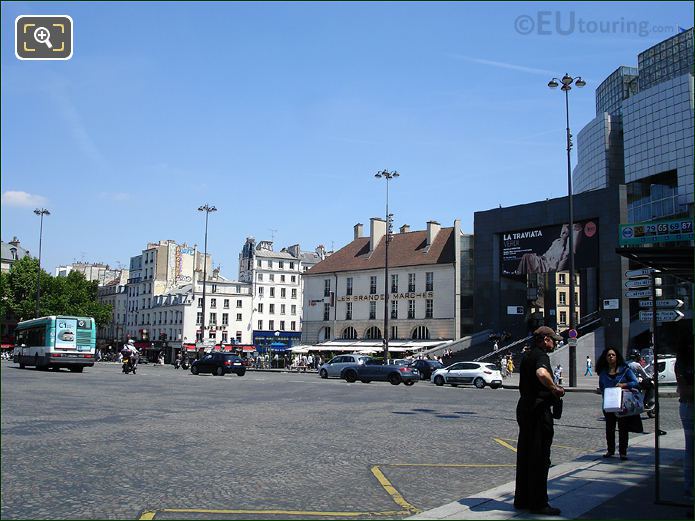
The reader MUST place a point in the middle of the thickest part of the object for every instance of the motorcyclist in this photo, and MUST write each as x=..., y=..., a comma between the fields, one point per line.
x=177, y=362
x=130, y=355
x=645, y=379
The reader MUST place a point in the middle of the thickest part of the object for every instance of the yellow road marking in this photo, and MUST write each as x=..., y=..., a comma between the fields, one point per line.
x=150, y=515
x=391, y=491
x=504, y=444
x=453, y=465
x=554, y=445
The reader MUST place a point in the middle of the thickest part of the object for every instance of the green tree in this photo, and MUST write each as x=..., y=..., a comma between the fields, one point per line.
x=71, y=295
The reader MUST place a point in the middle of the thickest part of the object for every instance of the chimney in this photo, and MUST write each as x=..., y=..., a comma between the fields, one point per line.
x=14, y=242
x=358, y=230
x=377, y=231
x=405, y=228
x=433, y=228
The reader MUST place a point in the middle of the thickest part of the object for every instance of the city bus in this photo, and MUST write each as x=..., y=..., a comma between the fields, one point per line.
x=55, y=342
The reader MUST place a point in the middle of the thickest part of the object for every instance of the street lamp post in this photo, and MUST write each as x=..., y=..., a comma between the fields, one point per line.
x=40, y=212
x=567, y=82
x=207, y=209
x=385, y=174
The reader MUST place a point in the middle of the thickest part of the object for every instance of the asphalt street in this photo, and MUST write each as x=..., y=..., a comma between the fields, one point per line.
x=164, y=444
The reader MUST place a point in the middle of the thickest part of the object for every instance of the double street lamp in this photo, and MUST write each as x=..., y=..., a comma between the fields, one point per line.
x=207, y=209
x=40, y=212
x=567, y=81
x=385, y=174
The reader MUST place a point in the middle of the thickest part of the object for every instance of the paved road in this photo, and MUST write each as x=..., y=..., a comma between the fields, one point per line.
x=264, y=446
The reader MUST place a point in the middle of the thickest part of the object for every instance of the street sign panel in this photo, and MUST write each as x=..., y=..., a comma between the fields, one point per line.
x=642, y=293
x=650, y=233
x=634, y=274
x=641, y=283
x=665, y=303
x=572, y=342
x=670, y=315
x=611, y=303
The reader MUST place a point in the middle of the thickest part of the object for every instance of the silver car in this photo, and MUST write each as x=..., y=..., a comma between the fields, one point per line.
x=479, y=374
x=335, y=365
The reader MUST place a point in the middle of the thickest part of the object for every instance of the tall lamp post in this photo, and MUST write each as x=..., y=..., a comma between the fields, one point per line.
x=385, y=174
x=207, y=209
x=567, y=82
x=40, y=212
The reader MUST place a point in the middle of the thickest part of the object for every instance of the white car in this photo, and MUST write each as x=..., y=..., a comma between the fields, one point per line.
x=334, y=367
x=479, y=374
x=667, y=370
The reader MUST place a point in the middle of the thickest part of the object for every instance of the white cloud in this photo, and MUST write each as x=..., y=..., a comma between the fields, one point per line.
x=22, y=199
x=503, y=65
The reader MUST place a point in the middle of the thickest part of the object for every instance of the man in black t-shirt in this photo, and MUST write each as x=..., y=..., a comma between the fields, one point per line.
x=533, y=414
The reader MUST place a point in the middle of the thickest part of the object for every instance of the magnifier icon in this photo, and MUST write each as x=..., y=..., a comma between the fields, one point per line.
x=43, y=35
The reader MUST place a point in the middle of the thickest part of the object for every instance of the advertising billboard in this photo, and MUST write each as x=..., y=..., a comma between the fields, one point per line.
x=546, y=249
x=66, y=333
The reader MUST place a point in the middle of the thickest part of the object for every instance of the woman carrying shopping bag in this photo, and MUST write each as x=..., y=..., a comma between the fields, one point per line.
x=614, y=372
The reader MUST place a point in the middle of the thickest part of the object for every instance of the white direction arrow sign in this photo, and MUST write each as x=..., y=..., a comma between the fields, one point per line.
x=634, y=274
x=661, y=316
x=642, y=293
x=641, y=283
x=666, y=303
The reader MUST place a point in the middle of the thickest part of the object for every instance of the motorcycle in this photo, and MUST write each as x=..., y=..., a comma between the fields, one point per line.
x=177, y=363
x=185, y=364
x=129, y=364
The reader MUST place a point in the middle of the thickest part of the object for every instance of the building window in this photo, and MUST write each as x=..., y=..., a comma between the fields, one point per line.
x=258, y=263
x=239, y=303
x=224, y=337
x=372, y=285
x=293, y=325
x=411, y=309
x=238, y=337
x=260, y=291
x=429, y=281
x=213, y=319
x=394, y=309
x=394, y=283
x=272, y=277
x=326, y=287
x=563, y=298
x=348, y=311
x=561, y=279
x=348, y=286
x=563, y=318
x=421, y=333
x=282, y=325
x=260, y=277
x=271, y=324
x=282, y=278
x=293, y=309
x=199, y=318
x=238, y=317
x=349, y=333
x=293, y=278
x=225, y=303
x=394, y=332
x=282, y=309
x=272, y=291
x=411, y=282
x=225, y=319
x=214, y=288
x=372, y=310
x=212, y=335
x=270, y=265
x=271, y=309
x=326, y=311
x=200, y=303
x=281, y=265
x=294, y=293
x=213, y=303
x=429, y=307
x=283, y=293
x=260, y=324
x=260, y=307
x=373, y=333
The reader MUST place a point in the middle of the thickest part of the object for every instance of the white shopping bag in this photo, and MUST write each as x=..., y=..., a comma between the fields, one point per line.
x=612, y=399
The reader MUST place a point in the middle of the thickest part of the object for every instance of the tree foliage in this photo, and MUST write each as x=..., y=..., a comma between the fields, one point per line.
x=72, y=295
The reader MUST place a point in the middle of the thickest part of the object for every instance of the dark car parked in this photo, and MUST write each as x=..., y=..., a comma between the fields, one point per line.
x=426, y=367
x=219, y=364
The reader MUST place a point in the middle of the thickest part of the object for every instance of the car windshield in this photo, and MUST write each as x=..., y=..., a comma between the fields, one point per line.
x=493, y=367
x=435, y=365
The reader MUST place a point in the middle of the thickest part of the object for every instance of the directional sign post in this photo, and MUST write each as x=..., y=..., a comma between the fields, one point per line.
x=667, y=315
x=641, y=283
x=642, y=293
x=673, y=303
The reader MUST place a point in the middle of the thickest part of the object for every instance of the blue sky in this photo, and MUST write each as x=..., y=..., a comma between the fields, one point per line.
x=280, y=114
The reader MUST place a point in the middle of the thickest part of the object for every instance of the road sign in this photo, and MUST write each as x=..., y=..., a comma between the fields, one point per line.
x=642, y=293
x=572, y=342
x=666, y=303
x=572, y=333
x=641, y=283
x=635, y=274
x=670, y=315
x=611, y=303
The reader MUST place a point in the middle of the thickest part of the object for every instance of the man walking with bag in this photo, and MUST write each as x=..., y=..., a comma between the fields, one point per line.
x=535, y=419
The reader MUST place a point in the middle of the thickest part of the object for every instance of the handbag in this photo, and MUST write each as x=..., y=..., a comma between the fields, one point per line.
x=632, y=403
x=612, y=399
x=556, y=409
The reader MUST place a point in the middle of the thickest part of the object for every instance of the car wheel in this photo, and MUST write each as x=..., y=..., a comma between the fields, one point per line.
x=350, y=376
x=454, y=385
x=394, y=379
x=242, y=372
x=323, y=374
x=409, y=382
x=220, y=371
x=194, y=370
x=439, y=380
x=80, y=369
x=479, y=383
x=494, y=386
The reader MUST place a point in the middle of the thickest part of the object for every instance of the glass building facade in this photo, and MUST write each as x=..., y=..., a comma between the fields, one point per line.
x=613, y=90
x=666, y=60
